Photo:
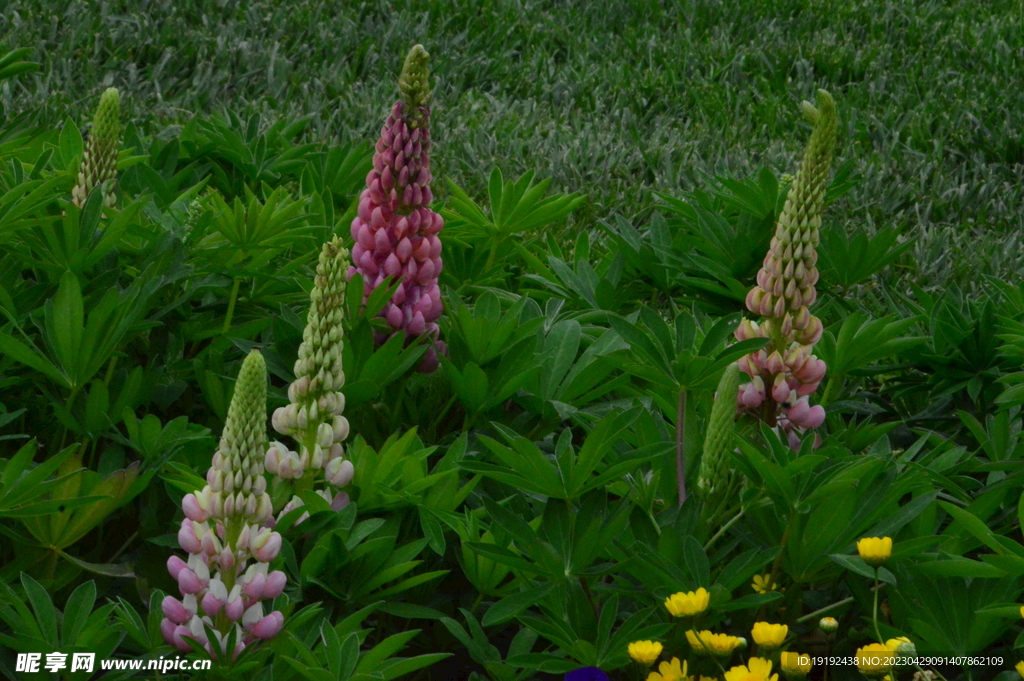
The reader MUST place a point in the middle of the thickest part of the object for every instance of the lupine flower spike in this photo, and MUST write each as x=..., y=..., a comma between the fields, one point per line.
x=714, y=467
x=785, y=372
x=313, y=418
x=224, y=529
x=99, y=160
x=395, y=231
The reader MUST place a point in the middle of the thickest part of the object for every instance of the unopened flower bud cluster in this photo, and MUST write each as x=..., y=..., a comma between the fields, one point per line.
x=224, y=529
x=313, y=417
x=99, y=159
x=785, y=373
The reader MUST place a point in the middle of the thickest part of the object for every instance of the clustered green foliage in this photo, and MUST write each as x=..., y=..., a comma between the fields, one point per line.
x=613, y=97
x=520, y=512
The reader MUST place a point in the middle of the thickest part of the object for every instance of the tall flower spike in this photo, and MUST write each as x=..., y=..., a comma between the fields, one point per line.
x=313, y=417
x=713, y=467
x=99, y=161
x=786, y=372
x=395, y=231
x=224, y=528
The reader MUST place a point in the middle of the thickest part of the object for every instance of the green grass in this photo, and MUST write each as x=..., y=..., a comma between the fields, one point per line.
x=614, y=99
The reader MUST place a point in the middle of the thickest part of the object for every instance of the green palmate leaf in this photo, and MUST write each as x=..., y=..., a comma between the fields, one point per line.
x=105, y=569
x=70, y=144
x=42, y=606
x=32, y=358
x=371, y=659
x=956, y=566
x=750, y=601
x=77, y=611
x=847, y=260
x=11, y=64
x=856, y=564
x=861, y=341
x=509, y=607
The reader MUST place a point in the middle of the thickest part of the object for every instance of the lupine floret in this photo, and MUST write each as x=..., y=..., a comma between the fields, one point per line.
x=395, y=231
x=99, y=160
x=224, y=529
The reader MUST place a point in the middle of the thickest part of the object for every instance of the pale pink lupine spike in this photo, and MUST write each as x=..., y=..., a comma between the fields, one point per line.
x=786, y=288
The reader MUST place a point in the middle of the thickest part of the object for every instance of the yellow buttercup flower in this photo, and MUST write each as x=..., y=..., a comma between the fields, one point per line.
x=769, y=635
x=645, y=652
x=687, y=604
x=795, y=665
x=1022, y=611
x=762, y=584
x=669, y=671
x=1020, y=667
x=875, y=659
x=875, y=550
x=707, y=643
x=902, y=645
x=756, y=669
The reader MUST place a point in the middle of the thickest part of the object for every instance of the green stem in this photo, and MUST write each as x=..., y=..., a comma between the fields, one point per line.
x=492, y=254
x=590, y=597
x=725, y=528
x=110, y=370
x=64, y=428
x=874, y=609
x=680, y=453
x=826, y=397
x=777, y=564
x=231, y=305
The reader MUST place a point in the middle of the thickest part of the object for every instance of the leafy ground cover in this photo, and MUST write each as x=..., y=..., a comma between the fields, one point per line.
x=604, y=358
x=614, y=99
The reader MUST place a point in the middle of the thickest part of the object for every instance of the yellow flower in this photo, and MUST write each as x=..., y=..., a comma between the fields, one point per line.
x=828, y=624
x=669, y=671
x=645, y=652
x=874, y=550
x=706, y=643
x=769, y=635
x=756, y=669
x=902, y=645
x=1020, y=667
x=1022, y=611
x=796, y=664
x=761, y=584
x=874, y=659
x=685, y=604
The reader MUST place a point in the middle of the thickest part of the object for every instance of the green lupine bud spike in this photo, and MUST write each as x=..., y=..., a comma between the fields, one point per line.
x=245, y=430
x=320, y=351
x=786, y=282
x=99, y=161
x=718, y=441
x=414, y=84
x=807, y=194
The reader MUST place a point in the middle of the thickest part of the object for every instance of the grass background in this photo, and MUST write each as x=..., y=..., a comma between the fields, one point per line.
x=611, y=98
